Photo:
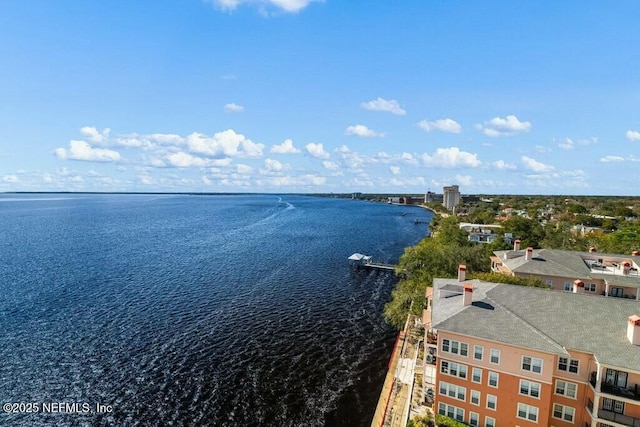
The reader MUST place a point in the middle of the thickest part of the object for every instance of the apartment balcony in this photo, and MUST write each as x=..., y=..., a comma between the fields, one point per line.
x=631, y=392
x=619, y=418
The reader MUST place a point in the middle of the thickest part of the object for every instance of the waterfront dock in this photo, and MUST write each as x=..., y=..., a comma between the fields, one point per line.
x=365, y=261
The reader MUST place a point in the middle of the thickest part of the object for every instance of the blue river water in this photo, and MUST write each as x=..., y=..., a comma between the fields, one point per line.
x=195, y=309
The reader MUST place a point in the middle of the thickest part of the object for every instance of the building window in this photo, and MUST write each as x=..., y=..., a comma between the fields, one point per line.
x=495, y=356
x=454, y=369
x=455, y=347
x=566, y=389
x=476, y=375
x=549, y=282
x=612, y=405
x=452, y=390
x=474, y=419
x=493, y=379
x=478, y=351
x=532, y=364
x=475, y=397
x=529, y=388
x=562, y=412
x=590, y=287
x=568, y=287
x=527, y=412
x=568, y=365
x=492, y=401
x=451, y=411
x=489, y=422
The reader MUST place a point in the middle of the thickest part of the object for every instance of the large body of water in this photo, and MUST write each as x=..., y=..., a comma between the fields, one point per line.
x=196, y=310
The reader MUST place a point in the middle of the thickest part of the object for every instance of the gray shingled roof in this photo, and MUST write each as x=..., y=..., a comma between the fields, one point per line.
x=542, y=319
x=560, y=263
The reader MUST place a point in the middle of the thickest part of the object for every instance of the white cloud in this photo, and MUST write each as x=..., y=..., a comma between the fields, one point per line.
x=451, y=158
x=272, y=165
x=330, y=165
x=303, y=180
x=466, y=180
x=185, y=160
x=233, y=108
x=633, y=135
x=508, y=126
x=534, y=165
x=145, y=180
x=81, y=150
x=285, y=148
x=362, y=131
x=10, y=178
x=416, y=181
x=381, y=104
x=316, y=150
x=206, y=180
x=612, y=159
x=244, y=169
x=290, y=6
x=542, y=149
x=227, y=143
x=566, y=144
x=502, y=165
x=395, y=170
x=443, y=125
x=94, y=135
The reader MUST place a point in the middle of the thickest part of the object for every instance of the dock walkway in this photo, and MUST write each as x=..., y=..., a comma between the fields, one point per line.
x=366, y=261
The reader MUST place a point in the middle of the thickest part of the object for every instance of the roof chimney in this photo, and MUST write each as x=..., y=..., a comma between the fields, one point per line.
x=467, y=296
x=635, y=253
x=626, y=266
x=462, y=272
x=633, y=330
x=529, y=254
x=516, y=245
x=577, y=284
x=592, y=249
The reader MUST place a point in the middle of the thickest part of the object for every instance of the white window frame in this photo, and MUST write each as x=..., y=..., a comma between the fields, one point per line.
x=562, y=389
x=473, y=372
x=475, y=394
x=489, y=422
x=590, y=287
x=529, y=411
x=571, y=365
x=476, y=352
x=532, y=364
x=493, y=352
x=455, y=347
x=530, y=386
x=568, y=287
x=461, y=371
x=565, y=411
x=453, y=391
x=446, y=409
x=494, y=399
x=497, y=379
x=477, y=419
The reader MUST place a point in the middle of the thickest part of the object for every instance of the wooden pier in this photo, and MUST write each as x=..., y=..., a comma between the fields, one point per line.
x=365, y=261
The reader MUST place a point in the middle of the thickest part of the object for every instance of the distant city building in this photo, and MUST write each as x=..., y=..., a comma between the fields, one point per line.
x=450, y=196
x=356, y=196
x=506, y=355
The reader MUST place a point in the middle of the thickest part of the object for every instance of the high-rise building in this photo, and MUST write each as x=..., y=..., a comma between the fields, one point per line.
x=450, y=196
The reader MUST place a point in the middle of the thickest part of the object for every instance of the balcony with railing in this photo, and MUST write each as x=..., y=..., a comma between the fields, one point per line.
x=632, y=391
x=619, y=418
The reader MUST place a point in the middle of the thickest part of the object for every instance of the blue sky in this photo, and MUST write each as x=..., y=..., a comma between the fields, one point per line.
x=281, y=96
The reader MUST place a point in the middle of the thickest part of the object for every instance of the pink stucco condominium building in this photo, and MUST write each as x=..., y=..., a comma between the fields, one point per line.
x=510, y=355
x=594, y=273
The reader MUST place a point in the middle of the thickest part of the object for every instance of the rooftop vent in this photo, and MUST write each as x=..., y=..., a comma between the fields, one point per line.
x=467, y=296
x=516, y=245
x=462, y=272
x=529, y=253
x=592, y=249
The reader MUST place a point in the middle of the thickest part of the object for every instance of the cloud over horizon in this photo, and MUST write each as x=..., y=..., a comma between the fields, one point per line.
x=381, y=104
x=508, y=126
